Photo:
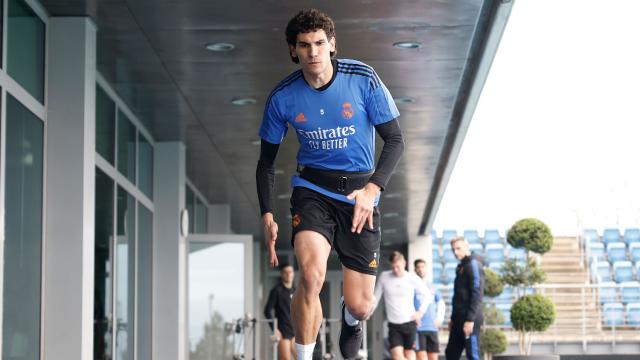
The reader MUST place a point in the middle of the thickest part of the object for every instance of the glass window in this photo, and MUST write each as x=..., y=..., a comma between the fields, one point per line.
x=215, y=298
x=145, y=268
x=25, y=48
x=103, y=289
x=105, y=125
x=126, y=147
x=23, y=233
x=145, y=164
x=191, y=207
x=201, y=217
x=125, y=275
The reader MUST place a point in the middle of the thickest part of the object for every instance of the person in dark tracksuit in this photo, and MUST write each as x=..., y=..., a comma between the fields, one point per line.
x=466, y=315
x=279, y=306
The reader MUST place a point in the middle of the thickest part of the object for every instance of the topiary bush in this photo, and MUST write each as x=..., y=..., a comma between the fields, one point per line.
x=493, y=284
x=531, y=234
x=516, y=275
x=532, y=313
x=492, y=316
x=492, y=341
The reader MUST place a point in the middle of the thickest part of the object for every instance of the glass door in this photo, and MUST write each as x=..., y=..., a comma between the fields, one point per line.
x=220, y=295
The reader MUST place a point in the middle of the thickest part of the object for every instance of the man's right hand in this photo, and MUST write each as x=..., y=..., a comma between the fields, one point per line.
x=270, y=230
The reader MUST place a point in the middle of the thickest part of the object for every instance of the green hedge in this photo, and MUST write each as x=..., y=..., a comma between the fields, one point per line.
x=533, y=313
x=493, y=284
x=532, y=234
x=492, y=341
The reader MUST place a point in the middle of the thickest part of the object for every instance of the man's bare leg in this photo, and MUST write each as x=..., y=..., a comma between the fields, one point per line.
x=358, y=292
x=312, y=251
x=397, y=353
x=409, y=354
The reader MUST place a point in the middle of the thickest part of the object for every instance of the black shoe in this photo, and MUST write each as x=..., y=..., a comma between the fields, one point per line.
x=350, y=338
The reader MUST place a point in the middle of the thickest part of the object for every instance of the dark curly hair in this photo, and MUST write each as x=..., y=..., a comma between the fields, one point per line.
x=309, y=20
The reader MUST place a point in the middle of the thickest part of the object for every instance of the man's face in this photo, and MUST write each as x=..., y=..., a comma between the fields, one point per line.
x=460, y=249
x=421, y=270
x=313, y=49
x=287, y=275
x=398, y=267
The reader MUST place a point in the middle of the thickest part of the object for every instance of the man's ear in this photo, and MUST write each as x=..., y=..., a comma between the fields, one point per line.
x=332, y=41
x=292, y=51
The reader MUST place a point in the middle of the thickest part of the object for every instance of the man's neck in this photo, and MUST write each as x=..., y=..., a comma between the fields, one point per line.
x=287, y=285
x=317, y=81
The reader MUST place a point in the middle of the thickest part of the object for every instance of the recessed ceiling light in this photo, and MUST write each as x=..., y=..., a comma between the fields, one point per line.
x=256, y=142
x=392, y=195
x=407, y=45
x=243, y=101
x=220, y=47
x=389, y=231
x=404, y=100
x=390, y=215
x=278, y=171
x=283, y=196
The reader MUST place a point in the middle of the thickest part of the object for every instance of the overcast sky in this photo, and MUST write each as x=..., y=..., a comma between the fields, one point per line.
x=556, y=131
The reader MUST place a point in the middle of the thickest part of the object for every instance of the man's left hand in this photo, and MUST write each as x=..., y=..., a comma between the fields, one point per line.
x=363, y=209
x=417, y=317
x=468, y=328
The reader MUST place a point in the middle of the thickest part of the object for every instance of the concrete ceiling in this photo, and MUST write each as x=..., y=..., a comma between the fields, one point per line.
x=153, y=53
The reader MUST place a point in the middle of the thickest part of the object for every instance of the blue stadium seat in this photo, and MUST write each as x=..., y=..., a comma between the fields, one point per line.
x=597, y=250
x=634, y=252
x=477, y=248
x=448, y=255
x=616, y=251
x=633, y=314
x=613, y=314
x=472, y=236
x=447, y=293
x=505, y=309
x=496, y=266
x=608, y=292
x=630, y=292
x=610, y=235
x=435, y=256
x=448, y=235
x=494, y=252
x=449, y=272
x=437, y=272
x=492, y=237
x=632, y=235
x=603, y=271
x=517, y=253
x=591, y=235
x=506, y=297
x=622, y=271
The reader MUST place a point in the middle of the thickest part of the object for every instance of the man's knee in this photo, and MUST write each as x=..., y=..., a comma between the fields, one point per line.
x=361, y=308
x=312, y=280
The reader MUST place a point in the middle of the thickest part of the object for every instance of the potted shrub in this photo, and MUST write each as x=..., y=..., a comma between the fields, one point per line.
x=530, y=313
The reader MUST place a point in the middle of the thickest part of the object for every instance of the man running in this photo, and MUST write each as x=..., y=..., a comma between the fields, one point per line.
x=333, y=106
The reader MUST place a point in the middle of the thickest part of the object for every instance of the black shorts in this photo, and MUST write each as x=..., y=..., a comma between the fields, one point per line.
x=332, y=218
x=428, y=341
x=402, y=335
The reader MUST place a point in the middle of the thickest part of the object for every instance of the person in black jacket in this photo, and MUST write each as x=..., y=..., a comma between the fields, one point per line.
x=466, y=315
x=279, y=306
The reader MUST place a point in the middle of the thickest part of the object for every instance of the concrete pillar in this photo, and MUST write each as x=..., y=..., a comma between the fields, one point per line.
x=420, y=248
x=170, y=254
x=70, y=190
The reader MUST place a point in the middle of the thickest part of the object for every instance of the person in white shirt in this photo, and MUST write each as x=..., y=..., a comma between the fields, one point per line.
x=398, y=287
